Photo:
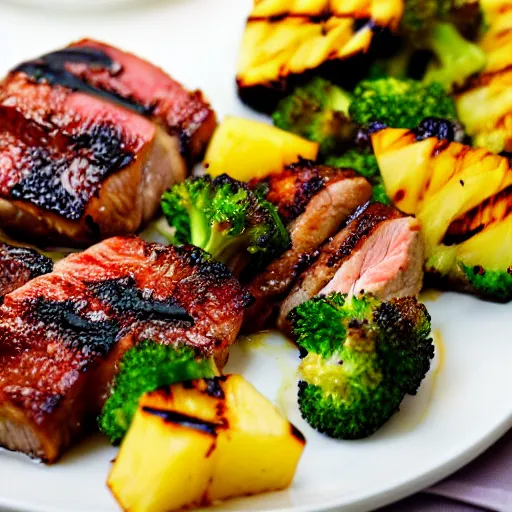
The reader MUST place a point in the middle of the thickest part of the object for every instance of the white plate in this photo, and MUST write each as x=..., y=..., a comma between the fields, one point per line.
x=463, y=406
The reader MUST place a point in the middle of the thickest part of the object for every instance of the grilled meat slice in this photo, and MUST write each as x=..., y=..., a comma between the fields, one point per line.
x=313, y=200
x=63, y=334
x=185, y=115
x=80, y=161
x=18, y=265
x=379, y=252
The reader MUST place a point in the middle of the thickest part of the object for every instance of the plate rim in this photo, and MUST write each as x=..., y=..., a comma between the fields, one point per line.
x=362, y=504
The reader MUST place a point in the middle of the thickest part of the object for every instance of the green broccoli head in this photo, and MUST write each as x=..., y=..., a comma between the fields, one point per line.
x=224, y=217
x=436, y=25
x=317, y=111
x=364, y=162
x=456, y=58
x=146, y=367
x=379, y=194
x=400, y=103
x=360, y=358
x=494, y=284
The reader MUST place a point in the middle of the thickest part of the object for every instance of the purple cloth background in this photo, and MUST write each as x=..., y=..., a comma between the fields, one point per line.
x=485, y=484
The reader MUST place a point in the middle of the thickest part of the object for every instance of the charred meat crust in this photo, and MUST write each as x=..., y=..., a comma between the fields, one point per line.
x=292, y=189
x=90, y=137
x=333, y=253
x=46, y=182
x=53, y=161
x=36, y=263
x=97, y=69
x=185, y=114
x=18, y=265
x=360, y=229
x=63, y=334
x=315, y=200
x=51, y=69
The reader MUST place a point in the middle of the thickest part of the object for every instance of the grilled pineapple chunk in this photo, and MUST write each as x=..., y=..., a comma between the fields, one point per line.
x=247, y=149
x=462, y=197
x=285, y=38
x=195, y=443
x=485, y=105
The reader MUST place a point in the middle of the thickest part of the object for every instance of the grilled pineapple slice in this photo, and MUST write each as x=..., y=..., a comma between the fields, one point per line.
x=285, y=38
x=248, y=149
x=485, y=105
x=195, y=443
x=462, y=197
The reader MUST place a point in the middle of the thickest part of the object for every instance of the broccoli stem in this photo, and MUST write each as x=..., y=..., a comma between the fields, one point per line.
x=223, y=247
x=201, y=231
x=458, y=58
x=339, y=101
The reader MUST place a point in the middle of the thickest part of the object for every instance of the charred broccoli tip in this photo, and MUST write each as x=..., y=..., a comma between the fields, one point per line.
x=224, y=217
x=360, y=358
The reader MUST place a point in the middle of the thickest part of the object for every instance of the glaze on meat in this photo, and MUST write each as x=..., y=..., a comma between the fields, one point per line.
x=90, y=137
x=18, y=265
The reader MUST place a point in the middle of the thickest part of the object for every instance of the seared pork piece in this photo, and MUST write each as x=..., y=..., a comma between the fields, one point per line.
x=185, y=115
x=63, y=334
x=18, y=265
x=90, y=137
x=380, y=252
x=313, y=200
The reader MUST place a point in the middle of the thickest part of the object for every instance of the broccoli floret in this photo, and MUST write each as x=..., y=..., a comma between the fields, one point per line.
x=146, y=367
x=317, y=111
x=379, y=194
x=361, y=160
x=427, y=25
x=400, y=103
x=456, y=58
x=225, y=218
x=360, y=358
x=495, y=284
x=364, y=162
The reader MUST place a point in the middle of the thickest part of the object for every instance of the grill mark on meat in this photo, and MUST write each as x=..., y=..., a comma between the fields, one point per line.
x=292, y=190
x=184, y=114
x=352, y=250
x=51, y=69
x=62, y=335
x=123, y=297
x=18, y=265
x=65, y=184
x=75, y=330
x=363, y=226
x=322, y=197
